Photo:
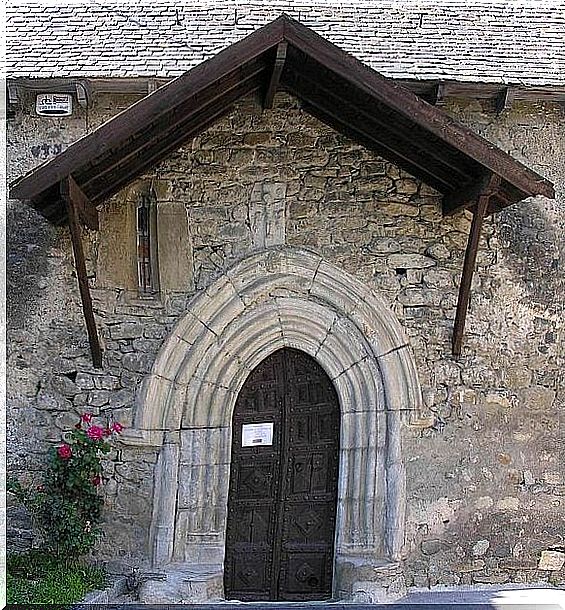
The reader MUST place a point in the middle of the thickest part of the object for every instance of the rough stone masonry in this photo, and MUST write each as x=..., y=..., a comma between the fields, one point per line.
x=483, y=457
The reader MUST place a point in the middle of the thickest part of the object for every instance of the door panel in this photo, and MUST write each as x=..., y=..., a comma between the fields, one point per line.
x=283, y=495
x=305, y=575
x=249, y=573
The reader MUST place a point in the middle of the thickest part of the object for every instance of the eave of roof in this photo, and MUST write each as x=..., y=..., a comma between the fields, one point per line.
x=435, y=91
x=333, y=85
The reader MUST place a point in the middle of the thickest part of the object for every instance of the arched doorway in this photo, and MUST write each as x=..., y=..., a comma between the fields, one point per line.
x=279, y=298
x=283, y=482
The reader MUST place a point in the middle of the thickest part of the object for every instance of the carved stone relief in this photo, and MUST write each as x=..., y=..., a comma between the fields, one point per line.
x=267, y=214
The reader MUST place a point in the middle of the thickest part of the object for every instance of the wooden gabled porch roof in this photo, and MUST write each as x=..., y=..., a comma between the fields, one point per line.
x=335, y=87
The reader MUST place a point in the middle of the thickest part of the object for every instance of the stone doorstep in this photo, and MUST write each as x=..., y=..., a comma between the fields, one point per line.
x=203, y=584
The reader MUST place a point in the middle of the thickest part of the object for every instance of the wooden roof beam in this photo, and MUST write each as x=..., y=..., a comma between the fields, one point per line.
x=421, y=113
x=479, y=213
x=75, y=200
x=346, y=121
x=307, y=79
x=454, y=144
x=357, y=135
x=112, y=133
x=175, y=122
x=130, y=85
x=128, y=173
x=275, y=75
x=51, y=205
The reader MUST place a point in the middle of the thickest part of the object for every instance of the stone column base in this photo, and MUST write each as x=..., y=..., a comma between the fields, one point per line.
x=183, y=584
x=369, y=581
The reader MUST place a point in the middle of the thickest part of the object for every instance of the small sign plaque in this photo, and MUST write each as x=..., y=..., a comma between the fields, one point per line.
x=253, y=435
x=54, y=104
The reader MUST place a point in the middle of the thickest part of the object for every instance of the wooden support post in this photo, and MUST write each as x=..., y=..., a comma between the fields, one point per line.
x=74, y=199
x=275, y=75
x=468, y=270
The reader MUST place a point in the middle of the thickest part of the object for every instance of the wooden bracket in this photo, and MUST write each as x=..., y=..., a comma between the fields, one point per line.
x=479, y=213
x=505, y=99
x=275, y=75
x=467, y=196
x=76, y=201
x=87, y=212
x=438, y=94
x=152, y=85
x=13, y=93
x=83, y=93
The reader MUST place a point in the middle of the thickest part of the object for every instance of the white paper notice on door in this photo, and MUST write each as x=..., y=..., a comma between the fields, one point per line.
x=253, y=435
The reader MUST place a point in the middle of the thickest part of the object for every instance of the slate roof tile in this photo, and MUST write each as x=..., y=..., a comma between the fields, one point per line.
x=497, y=41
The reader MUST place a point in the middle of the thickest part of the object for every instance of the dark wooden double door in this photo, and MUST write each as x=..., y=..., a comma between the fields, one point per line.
x=283, y=483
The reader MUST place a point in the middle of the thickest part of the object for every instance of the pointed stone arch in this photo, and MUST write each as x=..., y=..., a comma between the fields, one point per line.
x=283, y=297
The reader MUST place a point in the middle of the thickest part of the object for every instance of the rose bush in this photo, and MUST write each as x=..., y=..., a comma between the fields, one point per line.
x=66, y=508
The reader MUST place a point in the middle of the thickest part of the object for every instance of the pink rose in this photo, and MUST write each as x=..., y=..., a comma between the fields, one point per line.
x=86, y=418
x=65, y=451
x=96, y=480
x=95, y=433
x=117, y=427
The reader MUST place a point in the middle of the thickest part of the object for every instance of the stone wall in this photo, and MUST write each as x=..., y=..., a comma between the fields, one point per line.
x=484, y=460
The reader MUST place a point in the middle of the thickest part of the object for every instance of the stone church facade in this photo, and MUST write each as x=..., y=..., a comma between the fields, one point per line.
x=269, y=231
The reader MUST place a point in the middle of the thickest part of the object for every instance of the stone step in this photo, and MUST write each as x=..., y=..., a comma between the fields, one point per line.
x=360, y=582
x=505, y=597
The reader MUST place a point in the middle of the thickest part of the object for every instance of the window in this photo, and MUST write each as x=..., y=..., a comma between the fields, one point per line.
x=147, y=267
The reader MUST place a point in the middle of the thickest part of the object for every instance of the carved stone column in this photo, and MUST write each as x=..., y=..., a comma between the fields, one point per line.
x=165, y=500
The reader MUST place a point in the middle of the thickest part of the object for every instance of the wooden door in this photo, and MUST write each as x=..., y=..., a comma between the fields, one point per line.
x=283, y=483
